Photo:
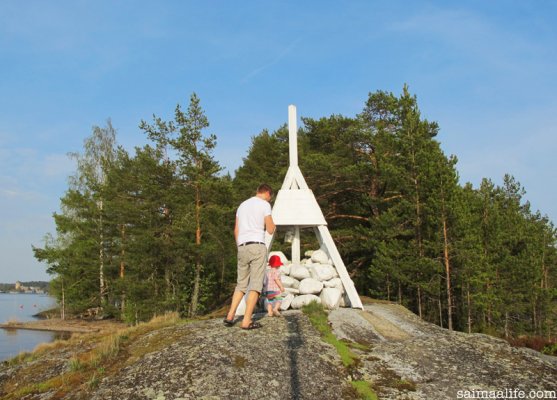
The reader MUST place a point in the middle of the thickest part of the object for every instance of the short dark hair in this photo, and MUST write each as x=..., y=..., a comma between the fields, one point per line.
x=264, y=188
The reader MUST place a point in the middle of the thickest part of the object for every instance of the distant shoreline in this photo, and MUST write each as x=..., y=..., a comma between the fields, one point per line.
x=59, y=325
x=14, y=292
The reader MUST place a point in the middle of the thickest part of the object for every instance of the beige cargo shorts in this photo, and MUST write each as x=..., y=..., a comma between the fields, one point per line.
x=252, y=261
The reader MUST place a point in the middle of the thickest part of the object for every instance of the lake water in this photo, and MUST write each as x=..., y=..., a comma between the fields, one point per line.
x=22, y=307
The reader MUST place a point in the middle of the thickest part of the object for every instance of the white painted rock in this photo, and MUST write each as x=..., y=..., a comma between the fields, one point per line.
x=289, y=282
x=281, y=256
x=285, y=269
x=330, y=298
x=323, y=272
x=342, y=303
x=334, y=283
x=345, y=301
x=292, y=290
x=319, y=256
x=299, y=272
x=241, y=307
x=286, y=301
x=310, y=286
x=300, y=301
x=308, y=253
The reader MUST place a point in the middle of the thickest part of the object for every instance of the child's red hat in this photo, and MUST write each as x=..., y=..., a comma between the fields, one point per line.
x=275, y=262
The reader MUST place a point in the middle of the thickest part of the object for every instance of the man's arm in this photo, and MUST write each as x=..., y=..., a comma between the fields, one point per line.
x=270, y=224
x=236, y=230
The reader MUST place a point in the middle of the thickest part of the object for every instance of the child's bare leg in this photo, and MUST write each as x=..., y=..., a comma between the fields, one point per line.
x=269, y=309
x=276, y=310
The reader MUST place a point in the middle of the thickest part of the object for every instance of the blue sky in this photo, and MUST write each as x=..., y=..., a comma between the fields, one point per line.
x=484, y=70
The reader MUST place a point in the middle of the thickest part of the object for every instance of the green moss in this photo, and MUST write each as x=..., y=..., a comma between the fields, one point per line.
x=96, y=356
x=364, y=390
x=318, y=318
x=405, y=385
x=35, y=388
x=20, y=358
x=357, y=346
x=240, y=362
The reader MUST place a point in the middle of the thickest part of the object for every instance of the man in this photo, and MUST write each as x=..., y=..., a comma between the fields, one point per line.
x=252, y=219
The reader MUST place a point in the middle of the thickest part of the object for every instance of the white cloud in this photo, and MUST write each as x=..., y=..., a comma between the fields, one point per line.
x=277, y=58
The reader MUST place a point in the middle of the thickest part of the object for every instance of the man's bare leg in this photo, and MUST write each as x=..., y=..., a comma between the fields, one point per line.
x=236, y=299
x=251, y=301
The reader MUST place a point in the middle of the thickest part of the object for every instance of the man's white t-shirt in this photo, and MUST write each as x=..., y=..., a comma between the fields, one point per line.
x=251, y=220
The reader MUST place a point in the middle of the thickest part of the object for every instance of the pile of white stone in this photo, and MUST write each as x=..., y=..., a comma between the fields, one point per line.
x=314, y=279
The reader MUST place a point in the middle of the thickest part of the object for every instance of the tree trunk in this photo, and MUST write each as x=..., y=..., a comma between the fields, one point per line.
x=374, y=189
x=507, y=325
x=197, y=278
x=469, y=307
x=534, y=316
x=420, y=301
x=223, y=265
x=102, y=283
x=63, y=311
x=123, y=268
x=440, y=305
x=447, y=275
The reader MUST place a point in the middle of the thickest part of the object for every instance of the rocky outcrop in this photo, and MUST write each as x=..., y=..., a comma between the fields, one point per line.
x=408, y=358
x=401, y=356
x=285, y=359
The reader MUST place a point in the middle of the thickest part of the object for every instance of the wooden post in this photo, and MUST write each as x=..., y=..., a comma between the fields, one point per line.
x=296, y=246
x=292, y=136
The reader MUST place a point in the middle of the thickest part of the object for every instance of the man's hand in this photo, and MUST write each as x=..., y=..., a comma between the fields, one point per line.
x=236, y=230
x=269, y=224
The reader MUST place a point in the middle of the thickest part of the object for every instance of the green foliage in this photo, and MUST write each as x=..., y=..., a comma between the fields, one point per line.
x=550, y=349
x=144, y=233
x=474, y=259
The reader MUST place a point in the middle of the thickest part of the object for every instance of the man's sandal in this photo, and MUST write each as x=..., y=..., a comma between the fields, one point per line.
x=252, y=325
x=228, y=322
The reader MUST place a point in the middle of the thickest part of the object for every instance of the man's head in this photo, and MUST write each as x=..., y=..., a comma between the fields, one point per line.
x=265, y=192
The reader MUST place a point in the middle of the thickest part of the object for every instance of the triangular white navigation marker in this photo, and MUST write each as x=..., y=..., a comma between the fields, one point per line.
x=296, y=207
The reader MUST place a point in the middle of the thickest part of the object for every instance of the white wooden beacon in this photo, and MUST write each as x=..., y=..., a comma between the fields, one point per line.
x=296, y=208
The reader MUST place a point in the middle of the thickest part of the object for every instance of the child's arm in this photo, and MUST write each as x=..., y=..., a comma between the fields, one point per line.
x=279, y=283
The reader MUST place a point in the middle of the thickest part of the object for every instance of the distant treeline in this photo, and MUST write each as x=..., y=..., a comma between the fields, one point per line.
x=6, y=287
x=143, y=233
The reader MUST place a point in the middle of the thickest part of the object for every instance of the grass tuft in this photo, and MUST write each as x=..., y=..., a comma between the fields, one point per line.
x=75, y=364
x=318, y=318
x=364, y=390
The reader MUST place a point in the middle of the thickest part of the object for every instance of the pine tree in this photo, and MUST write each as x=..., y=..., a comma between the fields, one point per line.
x=198, y=170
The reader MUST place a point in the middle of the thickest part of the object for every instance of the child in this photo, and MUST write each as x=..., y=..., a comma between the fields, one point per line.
x=273, y=287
